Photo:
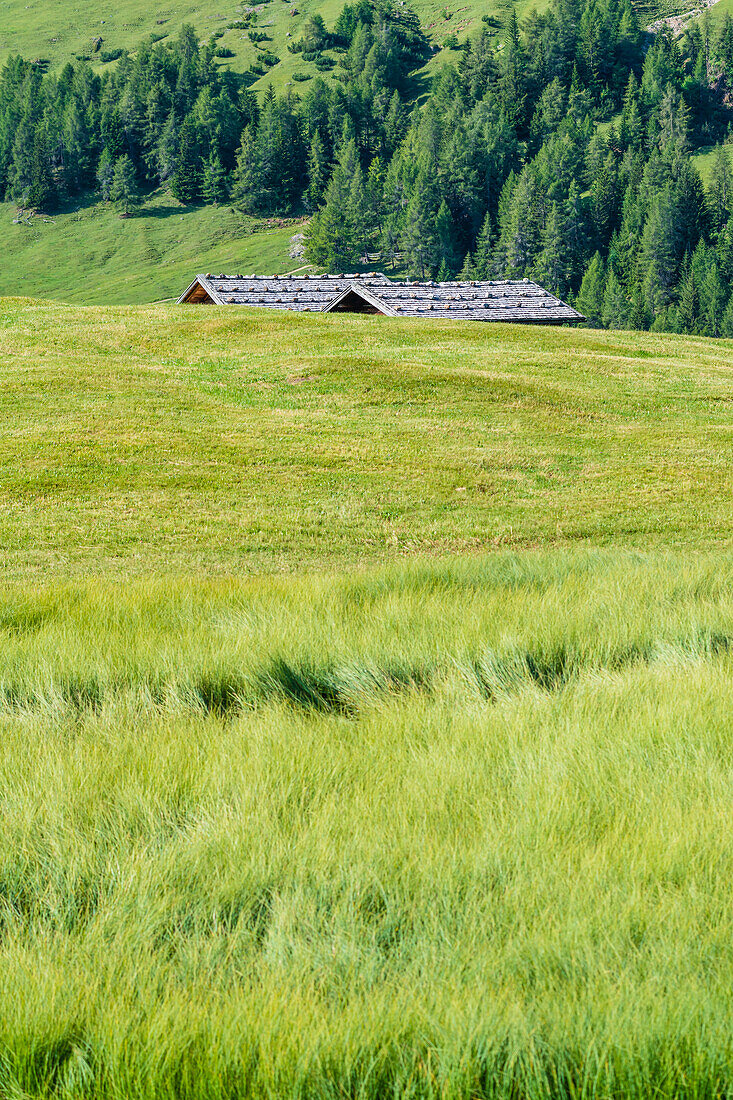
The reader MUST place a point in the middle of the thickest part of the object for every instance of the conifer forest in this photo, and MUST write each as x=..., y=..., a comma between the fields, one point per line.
x=558, y=149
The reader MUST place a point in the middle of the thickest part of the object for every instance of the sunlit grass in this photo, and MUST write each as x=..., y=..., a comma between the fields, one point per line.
x=456, y=830
x=168, y=440
x=297, y=802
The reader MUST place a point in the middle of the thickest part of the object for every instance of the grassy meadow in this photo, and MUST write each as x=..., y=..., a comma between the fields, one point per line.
x=365, y=708
x=453, y=830
x=177, y=440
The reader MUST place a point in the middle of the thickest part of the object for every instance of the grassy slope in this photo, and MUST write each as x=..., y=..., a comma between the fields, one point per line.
x=176, y=438
x=58, y=31
x=93, y=255
x=450, y=829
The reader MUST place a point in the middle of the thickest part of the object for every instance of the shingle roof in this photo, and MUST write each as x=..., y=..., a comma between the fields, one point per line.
x=518, y=300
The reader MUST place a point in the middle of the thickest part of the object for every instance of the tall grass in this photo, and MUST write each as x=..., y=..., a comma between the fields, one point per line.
x=447, y=830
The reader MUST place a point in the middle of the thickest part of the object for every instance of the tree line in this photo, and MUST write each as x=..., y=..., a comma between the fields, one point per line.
x=559, y=150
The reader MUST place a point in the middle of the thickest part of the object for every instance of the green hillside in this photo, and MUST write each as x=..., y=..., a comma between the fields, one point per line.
x=90, y=254
x=393, y=820
x=58, y=32
x=177, y=438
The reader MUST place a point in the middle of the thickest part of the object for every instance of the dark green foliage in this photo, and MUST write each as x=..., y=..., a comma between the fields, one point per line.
x=105, y=174
x=592, y=291
x=123, y=189
x=271, y=163
x=214, y=184
x=186, y=183
x=502, y=172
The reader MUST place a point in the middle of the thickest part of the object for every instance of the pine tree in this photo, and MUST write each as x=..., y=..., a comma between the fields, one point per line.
x=589, y=301
x=688, y=310
x=482, y=254
x=186, y=183
x=445, y=230
x=214, y=185
x=317, y=172
x=615, y=310
x=105, y=174
x=714, y=299
x=124, y=185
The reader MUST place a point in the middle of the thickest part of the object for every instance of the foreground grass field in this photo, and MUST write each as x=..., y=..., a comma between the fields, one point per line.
x=390, y=821
x=172, y=439
x=445, y=830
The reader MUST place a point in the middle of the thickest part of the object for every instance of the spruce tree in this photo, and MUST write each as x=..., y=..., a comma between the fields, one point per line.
x=419, y=234
x=482, y=254
x=317, y=172
x=246, y=186
x=214, y=186
x=334, y=239
x=550, y=268
x=658, y=255
x=186, y=183
x=41, y=192
x=445, y=231
x=124, y=185
x=713, y=298
x=615, y=311
x=468, y=272
x=721, y=190
x=512, y=79
x=589, y=301
x=105, y=174
x=688, y=309
x=726, y=324
x=639, y=315
x=166, y=150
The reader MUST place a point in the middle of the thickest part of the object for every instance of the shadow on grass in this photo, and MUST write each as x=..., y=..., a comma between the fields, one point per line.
x=347, y=689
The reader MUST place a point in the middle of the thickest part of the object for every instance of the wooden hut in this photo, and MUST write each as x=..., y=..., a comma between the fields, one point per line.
x=508, y=300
